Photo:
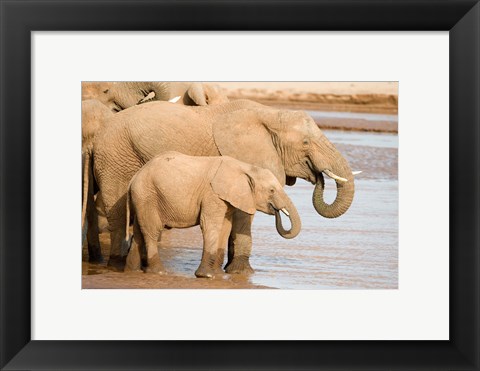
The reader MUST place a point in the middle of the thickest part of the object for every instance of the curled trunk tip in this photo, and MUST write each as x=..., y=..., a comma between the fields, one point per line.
x=294, y=221
x=343, y=200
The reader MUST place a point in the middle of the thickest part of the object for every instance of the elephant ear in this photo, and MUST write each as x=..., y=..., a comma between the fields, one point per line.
x=242, y=135
x=233, y=185
x=197, y=94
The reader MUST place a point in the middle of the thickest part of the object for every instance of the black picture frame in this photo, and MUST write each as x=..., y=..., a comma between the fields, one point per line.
x=461, y=18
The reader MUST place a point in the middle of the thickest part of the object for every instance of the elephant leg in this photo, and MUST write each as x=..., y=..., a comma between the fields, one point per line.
x=100, y=208
x=222, y=242
x=149, y=224
x=93, y=241
x=115, y=212
x=154, y=264
x=215, y=235
x=134, y=258
x=240, y=244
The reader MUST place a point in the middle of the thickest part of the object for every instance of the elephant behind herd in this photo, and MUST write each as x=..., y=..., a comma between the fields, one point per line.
x=288, y=143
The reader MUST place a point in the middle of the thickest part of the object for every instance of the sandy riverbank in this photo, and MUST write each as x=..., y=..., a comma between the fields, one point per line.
x=372, y=97
x=101, y=276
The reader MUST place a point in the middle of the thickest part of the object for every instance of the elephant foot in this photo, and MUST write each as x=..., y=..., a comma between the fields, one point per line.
x=204, y=271
x=116, y=262
x=132, y=266
x=239, y=265
x=155, y=270
x=134, y=262
x=130, y=269
x=95, y=254
x=155, y=266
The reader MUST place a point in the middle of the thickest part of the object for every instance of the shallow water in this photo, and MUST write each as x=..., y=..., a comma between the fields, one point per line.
x=358, y=250
x=369, y=139
x=353, y=116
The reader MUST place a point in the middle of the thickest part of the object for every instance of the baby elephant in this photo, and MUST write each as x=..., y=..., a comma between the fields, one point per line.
x=174, y=190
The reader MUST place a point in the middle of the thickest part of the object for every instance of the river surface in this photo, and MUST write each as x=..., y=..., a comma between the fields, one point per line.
x=358, y=250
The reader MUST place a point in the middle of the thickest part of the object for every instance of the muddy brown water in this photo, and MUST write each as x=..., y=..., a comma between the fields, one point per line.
x=359, y=250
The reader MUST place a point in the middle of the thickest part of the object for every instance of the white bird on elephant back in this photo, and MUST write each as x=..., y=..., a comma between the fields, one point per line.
x=288, y=143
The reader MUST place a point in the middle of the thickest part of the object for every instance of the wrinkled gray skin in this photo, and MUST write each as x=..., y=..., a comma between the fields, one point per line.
x=201, y=191
x=94, y=114
x=99, y=101
x=118, y=96
x=288, y=143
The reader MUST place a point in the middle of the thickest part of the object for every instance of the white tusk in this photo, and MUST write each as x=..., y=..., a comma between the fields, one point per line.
x=357, y=172
x=285, y=212
x=336, y=177
x=149, y=96
x=175, y=100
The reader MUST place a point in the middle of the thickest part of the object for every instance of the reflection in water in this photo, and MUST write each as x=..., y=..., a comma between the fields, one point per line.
x=359, y=250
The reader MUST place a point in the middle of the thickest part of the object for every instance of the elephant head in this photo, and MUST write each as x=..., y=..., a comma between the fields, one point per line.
x=198, y=94
x=291, y=145
x=251, y=188
x=118, y=96
x=94, y=115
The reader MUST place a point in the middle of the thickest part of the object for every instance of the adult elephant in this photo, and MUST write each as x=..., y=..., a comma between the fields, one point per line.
x=94, y=115
x=101, y=99
x=288, y=143
x=118, y=96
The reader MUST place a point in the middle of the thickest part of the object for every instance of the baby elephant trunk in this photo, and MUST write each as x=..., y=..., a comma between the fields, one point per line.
x=295, y=224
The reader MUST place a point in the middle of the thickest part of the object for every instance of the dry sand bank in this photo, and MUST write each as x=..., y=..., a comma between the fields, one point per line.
x=374, y=97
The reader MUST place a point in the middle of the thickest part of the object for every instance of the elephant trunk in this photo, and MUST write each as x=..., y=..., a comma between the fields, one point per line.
x=295, y=221
x=129, y=94
x=345, y=191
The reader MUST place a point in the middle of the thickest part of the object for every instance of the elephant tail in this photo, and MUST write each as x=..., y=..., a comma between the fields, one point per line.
x=128, y=239
x=127, y=217
x=86, y=166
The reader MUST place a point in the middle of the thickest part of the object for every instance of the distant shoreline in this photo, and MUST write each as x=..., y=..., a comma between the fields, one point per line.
x=372, y=97
x=355, y=97
x=387, y=104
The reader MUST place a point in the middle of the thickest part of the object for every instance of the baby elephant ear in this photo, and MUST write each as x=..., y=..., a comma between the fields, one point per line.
x=233, y=185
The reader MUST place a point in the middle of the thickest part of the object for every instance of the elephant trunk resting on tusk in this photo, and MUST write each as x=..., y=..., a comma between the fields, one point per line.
x=339, y=170
x=334, y=176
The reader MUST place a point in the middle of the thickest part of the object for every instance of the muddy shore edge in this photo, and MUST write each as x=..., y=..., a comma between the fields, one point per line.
x=384, y=104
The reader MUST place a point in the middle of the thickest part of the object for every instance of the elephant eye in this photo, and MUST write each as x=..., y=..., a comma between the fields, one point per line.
x=272, y=190
x=305, y=142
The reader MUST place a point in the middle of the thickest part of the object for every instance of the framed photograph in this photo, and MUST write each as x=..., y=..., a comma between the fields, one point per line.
x=392, y=284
